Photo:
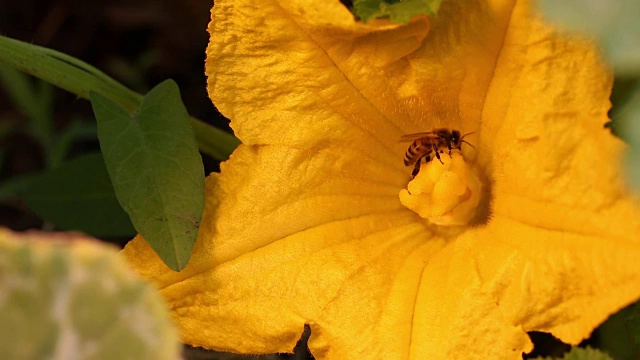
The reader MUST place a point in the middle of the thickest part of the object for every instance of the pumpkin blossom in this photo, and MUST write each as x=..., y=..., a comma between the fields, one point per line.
x=316, y=220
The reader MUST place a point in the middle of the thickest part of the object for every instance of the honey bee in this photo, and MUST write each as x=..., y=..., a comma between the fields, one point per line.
x=436, y=141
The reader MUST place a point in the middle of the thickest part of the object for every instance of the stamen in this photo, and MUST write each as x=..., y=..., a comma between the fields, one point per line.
x=445, y=194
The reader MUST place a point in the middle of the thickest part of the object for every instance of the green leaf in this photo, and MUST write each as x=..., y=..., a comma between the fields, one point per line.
x=399, y=11
x=65, y=296
x=157, y=173
x=577, y=353
x=614, y=24
x=78, y=196
x=80, y=78
x=64, y=71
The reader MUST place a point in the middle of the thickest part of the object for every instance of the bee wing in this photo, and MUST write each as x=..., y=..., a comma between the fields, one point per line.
x=416, y=136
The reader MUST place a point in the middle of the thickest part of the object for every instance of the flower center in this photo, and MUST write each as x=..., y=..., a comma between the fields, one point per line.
x=446, y=193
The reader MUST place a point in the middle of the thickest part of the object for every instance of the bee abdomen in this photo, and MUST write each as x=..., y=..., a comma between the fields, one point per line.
x=415, y=152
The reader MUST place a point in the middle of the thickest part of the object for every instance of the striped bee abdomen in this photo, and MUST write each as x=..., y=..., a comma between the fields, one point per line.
x=418, y=149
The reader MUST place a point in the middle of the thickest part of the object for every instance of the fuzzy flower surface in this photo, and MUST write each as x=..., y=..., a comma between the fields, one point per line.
x=316, y=220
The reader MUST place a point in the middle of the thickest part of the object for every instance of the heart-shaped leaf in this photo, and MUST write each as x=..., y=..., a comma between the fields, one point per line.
x=156, y=170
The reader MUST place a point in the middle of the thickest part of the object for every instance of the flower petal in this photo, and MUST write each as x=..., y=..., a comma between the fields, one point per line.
x=545, y=113
x=276, y=67
x=300, y=74
x=257, y=258
x=509, y=278
x=557, y=185
x=267, y=193
x=354, y=288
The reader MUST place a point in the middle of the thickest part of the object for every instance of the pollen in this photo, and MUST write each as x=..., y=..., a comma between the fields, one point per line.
x=445, y=194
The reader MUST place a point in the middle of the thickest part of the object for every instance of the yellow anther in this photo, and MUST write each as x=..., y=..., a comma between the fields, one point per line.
x=444, y=194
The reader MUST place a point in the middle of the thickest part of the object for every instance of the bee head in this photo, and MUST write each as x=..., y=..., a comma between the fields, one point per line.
x=456, y=139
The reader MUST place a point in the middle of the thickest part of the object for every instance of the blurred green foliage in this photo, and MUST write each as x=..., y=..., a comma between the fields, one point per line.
x=78, y=195
x=35, y=100
x=75, y=298
x=398, y=11
x=75, y=195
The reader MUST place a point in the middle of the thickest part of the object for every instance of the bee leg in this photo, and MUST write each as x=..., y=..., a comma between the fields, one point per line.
x=438, y=156
x=416, y=169
x=437, y=151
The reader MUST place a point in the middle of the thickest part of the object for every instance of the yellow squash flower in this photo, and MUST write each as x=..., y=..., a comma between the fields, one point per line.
x=314, y=220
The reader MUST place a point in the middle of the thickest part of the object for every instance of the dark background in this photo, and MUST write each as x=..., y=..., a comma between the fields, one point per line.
x=140, y=43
